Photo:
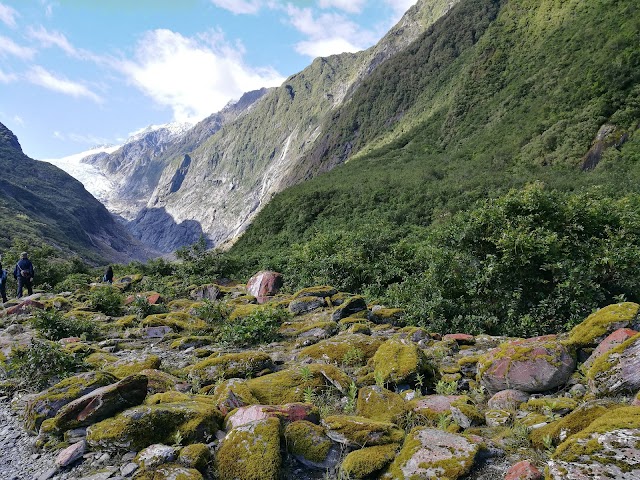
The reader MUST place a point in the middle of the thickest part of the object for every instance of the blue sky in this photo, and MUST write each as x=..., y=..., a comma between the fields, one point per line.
x=78, y=73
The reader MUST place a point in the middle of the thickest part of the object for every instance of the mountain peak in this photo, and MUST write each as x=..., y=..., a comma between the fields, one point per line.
x=7, y=138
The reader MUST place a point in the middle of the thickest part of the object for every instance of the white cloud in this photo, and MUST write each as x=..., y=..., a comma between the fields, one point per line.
x=9, y=47
x=7, y=77
x=88, y=139
x=351, y=6
x=328, y=33
x=8, y=15
x=239, y=6
x=49, y=39
x=39, y=76
x=18, y=120
x=195, y=77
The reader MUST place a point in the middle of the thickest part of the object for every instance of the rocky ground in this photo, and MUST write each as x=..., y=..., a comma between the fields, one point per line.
x=242, y=382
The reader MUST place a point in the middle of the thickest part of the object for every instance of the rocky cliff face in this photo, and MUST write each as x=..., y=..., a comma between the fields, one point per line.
x=216, y=177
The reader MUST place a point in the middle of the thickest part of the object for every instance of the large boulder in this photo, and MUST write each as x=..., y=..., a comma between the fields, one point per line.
x=358, y=432
x=144, y=425
x=607, y=448
x=348, y=307
x=429, y=453
x=364, y=462
x=397, y=362
x=251, y=452
x=46, y=404
x=309, y=444
x=264, y=285
x=104, y=402
x=598, y=325
x=378, y=403
x=618, y=370
x=531, y=365
x=231, y=394
x=334, y=350
x=232, y=365
x=616, y=338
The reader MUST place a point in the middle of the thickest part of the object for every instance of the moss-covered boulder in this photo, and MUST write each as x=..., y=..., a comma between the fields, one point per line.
x=160, y=381
x=607, y=448
x=579, y=419
x=429, y=453
x=102, y=403
x=398, y=361
x=434, y=406
x=309, y=444
x=288, y=386
x=359, y=432
x=231, y=394
x=378, y=403
x=145, y=425
x=391, y=316
x=617, y=370
x=196, y=455
x=334, y=350
x=194, y=341
x=124, y=368
x=604, y=322
x=100, y=359
x=232, y=365
x=530, y=365
x=507, y=399
x=300, y=306
x=251, y=452
x=178, y=321
x=367, y=461
x=348, y=307
x=46, y=404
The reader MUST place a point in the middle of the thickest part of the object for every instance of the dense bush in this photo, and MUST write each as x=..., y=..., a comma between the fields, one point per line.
x=260, y=326
x=213, y=312
x=73, y=282
x=107, y=300
x=52, y=325
x=39, y=365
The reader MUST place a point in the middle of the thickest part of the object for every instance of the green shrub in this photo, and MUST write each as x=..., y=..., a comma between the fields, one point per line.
x=39, y=365
x=213, y=312
x=260, y=326
x=107, y=300
x=52, y=325
x=73, y=282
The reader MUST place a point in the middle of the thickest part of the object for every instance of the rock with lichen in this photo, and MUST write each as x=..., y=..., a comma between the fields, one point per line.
x=617, y=370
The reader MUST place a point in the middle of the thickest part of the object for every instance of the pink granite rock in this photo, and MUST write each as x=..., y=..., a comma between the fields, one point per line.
x=460, y=338
x=507, y=399
x=24, y=307
x=71, y=454
x=290, y=412
x=524, y=470
x=617, y=370
x=265, y=284
x=616, y=338
x=530, y=365
x=435, y=404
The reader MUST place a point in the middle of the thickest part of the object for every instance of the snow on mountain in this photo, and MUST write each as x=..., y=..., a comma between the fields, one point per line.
x=94, y=181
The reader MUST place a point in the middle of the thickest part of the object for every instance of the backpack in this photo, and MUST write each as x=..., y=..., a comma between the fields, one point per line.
x=24, y=273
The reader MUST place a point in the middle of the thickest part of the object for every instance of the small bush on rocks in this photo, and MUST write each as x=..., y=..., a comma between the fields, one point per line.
x=52, y=325
x=260, y=326
x=107, y=300
x=213, y=312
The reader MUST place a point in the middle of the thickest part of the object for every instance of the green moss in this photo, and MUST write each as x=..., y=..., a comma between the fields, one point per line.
x=295, y=329
x=333, y=350
x=604, y=321
x=558, y=404
x=360, y=431
x=183, y=304
x=124, y=368
x=359, y=328
x=585, y=442
x=380, y=404
x=127, y=321
x=230, y=394
x=571, y=424
x=366, y=461
x=139, y=427
x=307, y=440
x=603, y=364
x=160, y=381
x=100, y=359
x=391, y=316
x=170, y=471
x=251, y=452
x=179, y=321
x=244, y=310
x=196, y=455
x=183, y=343
x=398, y=362
x=233, y=365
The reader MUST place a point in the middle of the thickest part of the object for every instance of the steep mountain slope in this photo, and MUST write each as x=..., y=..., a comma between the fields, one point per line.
x=218, y=185
x=41, y=203
x=495, y=95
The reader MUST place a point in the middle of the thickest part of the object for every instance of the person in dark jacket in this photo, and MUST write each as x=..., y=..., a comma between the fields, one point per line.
x=108, y=275
x=24, y=274
x=3, y=282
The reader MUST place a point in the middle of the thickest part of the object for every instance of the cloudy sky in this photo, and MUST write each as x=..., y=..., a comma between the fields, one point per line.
x=79, y=73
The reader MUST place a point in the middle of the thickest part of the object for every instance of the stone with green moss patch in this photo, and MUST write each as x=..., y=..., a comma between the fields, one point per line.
x=359, y=432
x=348, y=307
x=232, y=394
x=170, y=471
x=607, y=448
x=197, y=341
x=378, y=403
x=391, y=316
x=232, y=365
x=139, y=427
x=367, y=461
x=434, y=454
x=398, y=362
x=333, y=350
x=617, y=370
x=123, y=368
x=251, y=452
x=603, y=322
x=179, y=321
x=196, y=455
x=307, y=441
x=46, y=404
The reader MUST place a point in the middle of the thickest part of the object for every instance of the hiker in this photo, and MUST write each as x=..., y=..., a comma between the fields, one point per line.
x=108, y=275
x=24, y=274
x=3, y=282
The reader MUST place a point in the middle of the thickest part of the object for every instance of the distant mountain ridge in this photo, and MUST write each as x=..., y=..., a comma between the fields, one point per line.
x=41, y=203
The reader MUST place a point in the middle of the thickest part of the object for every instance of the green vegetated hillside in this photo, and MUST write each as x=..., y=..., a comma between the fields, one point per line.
x=491, y=175
x=42, y=205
